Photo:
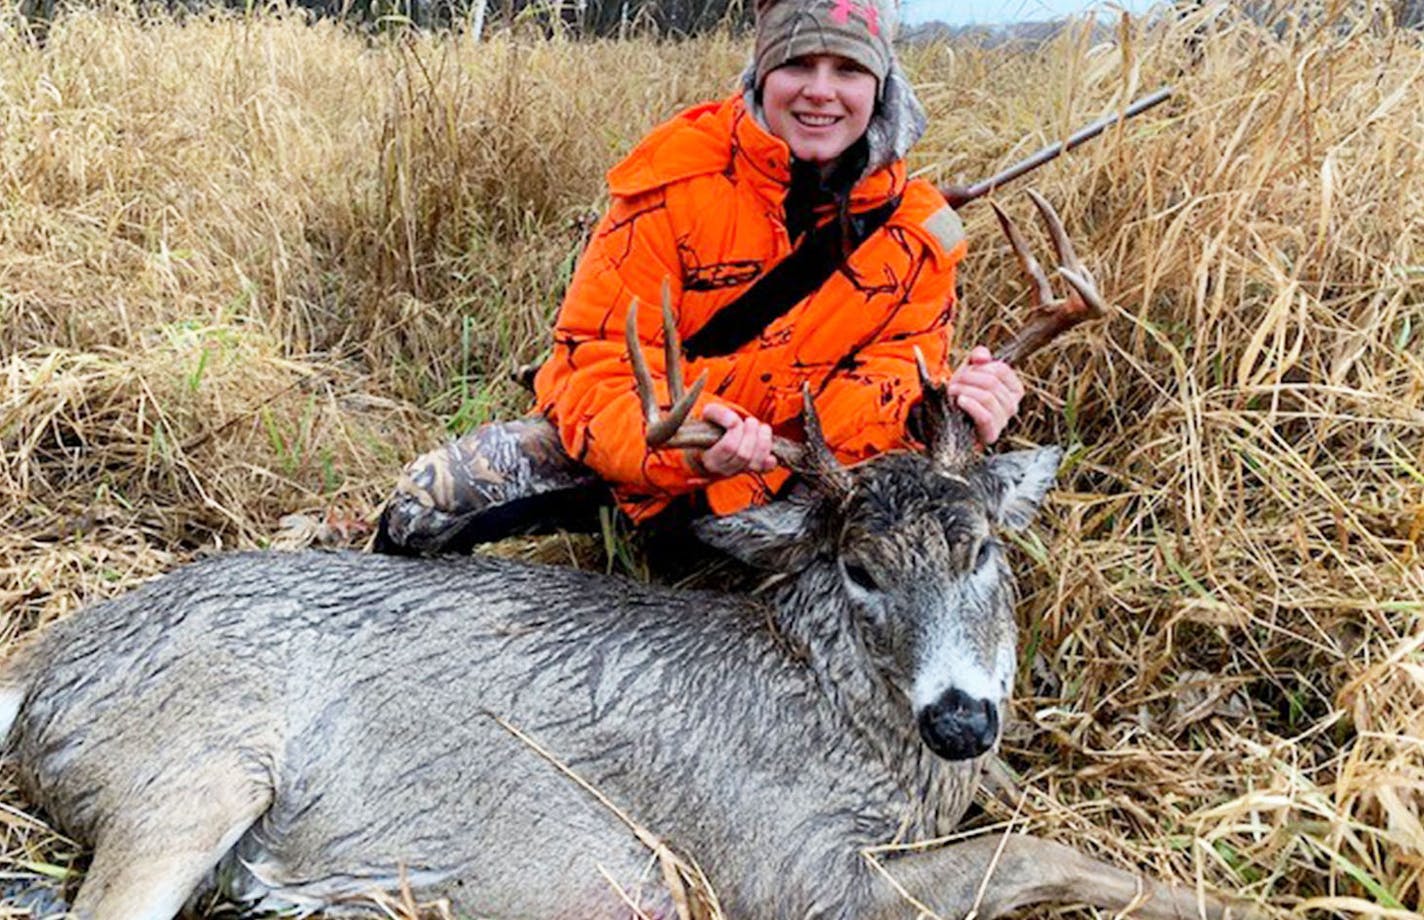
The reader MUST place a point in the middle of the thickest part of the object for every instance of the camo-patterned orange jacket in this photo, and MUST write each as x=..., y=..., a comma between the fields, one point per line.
x=699, y=203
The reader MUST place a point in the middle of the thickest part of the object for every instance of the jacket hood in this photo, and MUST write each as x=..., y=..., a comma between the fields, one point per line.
x=898, y=122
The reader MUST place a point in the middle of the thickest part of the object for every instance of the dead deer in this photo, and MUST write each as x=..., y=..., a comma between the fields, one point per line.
x=310, y=729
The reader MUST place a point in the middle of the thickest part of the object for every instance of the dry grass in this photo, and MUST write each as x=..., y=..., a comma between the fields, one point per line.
x=248, y=266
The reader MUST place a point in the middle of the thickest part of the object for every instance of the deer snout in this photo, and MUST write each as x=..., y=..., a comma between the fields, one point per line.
x=957, y=726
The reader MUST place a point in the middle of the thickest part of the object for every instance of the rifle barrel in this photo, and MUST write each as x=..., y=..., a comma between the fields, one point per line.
x=959, y=195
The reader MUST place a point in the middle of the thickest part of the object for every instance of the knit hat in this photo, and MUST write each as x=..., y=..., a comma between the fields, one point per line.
x=860, y=30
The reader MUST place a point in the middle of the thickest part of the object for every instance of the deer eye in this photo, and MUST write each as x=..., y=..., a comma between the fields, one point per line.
x=861, y=577
x=981, y=556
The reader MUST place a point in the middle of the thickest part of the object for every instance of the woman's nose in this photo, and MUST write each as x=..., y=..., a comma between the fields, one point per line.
x=819, y=84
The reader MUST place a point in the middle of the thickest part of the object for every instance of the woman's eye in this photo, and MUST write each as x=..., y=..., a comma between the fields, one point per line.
x=860, y=577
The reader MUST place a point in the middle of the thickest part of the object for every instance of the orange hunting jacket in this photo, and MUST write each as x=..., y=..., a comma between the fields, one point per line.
x=699, y=204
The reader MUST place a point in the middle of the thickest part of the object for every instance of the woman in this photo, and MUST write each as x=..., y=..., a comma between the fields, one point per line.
x=794, y=251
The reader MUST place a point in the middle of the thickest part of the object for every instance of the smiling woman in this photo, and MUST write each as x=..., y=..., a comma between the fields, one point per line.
x=780, y=229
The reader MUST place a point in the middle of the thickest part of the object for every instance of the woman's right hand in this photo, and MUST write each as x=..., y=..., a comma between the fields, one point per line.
x=744, y=446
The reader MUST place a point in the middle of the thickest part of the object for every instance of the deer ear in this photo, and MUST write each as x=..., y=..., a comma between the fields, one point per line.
x=1018, y=481
x=777, y=537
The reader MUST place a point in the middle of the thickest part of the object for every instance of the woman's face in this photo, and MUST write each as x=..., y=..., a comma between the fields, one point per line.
x=819, y=104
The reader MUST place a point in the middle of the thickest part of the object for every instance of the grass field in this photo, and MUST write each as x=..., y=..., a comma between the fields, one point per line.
x=249, y=266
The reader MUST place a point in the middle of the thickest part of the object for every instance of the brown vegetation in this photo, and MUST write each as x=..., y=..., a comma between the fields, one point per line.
x=250, y=265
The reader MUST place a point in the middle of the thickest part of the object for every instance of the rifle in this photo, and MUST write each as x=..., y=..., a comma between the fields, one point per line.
x=959, y=195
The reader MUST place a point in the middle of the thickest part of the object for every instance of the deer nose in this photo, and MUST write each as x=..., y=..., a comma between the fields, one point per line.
x=957, y=726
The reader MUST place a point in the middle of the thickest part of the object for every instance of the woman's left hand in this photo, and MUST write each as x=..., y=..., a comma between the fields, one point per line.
x=988, y=391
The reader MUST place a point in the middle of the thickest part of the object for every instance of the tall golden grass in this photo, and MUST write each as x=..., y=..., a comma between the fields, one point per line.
x=249, y=265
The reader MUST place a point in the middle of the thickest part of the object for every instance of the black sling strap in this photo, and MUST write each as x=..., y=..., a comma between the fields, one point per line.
x=792, y=280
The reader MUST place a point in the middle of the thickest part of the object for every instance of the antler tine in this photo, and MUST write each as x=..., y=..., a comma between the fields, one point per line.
x=641, y=378
x=1042, y=291
x=926, y=382
x=672, y=347
x=1063, y=246
x=936, y=411
x=948, y=433
x=816, y=446
x=934, y=392
x=1048, y=323
x=1069, y=265
x=1087, y=289
x=673, y=429
x=814, y=460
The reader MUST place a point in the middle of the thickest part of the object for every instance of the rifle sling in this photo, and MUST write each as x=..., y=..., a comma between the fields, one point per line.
x=789, y=282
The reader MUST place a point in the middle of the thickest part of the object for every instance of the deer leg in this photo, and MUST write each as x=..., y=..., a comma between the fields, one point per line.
x=951, y=882
x=149, y=862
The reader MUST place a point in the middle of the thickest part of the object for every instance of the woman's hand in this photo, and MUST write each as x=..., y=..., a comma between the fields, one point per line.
x=988, y=391
x=745, y=445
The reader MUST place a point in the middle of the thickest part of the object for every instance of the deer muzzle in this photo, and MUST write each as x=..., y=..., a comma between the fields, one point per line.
x=957, y=726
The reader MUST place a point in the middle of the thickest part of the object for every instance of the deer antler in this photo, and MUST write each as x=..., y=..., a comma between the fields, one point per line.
x=674, y=429
x=813, y=460
x=949, y=433
x=1050, y=318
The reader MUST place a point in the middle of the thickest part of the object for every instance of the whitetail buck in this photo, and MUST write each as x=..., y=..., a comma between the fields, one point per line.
x=531, y=742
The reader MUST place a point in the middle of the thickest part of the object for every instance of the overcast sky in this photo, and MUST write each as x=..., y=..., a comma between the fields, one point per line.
x=986, y=12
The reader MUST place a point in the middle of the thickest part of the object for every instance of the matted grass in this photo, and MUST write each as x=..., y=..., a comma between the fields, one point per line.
x=248, y=266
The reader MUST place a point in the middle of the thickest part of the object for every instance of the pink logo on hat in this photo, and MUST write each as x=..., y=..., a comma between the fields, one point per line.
x=845, y=8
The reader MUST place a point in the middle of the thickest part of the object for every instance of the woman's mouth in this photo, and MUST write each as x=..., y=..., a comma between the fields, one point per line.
x=816, y=121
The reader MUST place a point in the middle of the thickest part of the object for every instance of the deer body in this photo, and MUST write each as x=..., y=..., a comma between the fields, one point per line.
x=317, y=726
x=356, y=696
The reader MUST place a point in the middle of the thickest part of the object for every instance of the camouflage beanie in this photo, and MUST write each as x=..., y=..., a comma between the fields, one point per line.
x=860, y=30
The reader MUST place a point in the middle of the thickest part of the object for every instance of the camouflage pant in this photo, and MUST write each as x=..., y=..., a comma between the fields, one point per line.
x=499, y=480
